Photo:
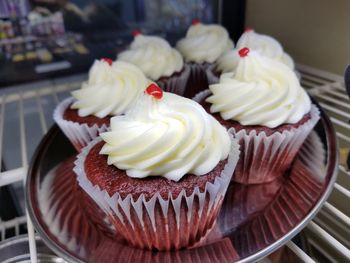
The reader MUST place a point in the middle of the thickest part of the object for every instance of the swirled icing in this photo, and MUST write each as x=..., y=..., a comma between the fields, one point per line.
x=169, y=137
x=228, y=61
x=110, y=89
x=204, y=43
x=261, y=91
x=266, y=45
x=154, y=56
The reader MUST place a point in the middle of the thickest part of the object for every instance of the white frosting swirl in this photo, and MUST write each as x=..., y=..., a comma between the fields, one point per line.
x=169, y=137
x=266, y=45
x=228, y=61
x=110, y=89
x=154, y=56
x=261, y=91
x=204, y=43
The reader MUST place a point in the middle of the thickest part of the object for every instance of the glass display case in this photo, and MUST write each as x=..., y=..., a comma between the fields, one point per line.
x=41, y=39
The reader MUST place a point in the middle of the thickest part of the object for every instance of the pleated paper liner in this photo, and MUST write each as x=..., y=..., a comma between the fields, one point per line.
x=212, y=76
x=78, y=134
x=263, y=157
x=198, y=79
x=157, y=223
x=176, y=83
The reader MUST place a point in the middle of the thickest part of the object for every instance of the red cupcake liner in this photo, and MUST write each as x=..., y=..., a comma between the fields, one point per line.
x=78, y=134
x=158, y=223
x=177, y=83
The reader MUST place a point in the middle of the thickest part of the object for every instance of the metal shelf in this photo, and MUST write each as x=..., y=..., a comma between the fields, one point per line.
x=26, y=115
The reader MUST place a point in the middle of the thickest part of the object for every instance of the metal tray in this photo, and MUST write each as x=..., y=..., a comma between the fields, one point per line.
x=16, y=250
x=254, y=221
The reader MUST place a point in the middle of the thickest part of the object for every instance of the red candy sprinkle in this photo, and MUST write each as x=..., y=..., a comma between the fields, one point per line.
x=154, y=91
x=108, y=60
x=243, y=52
x=195, y=21
x=136, y=33
x=248, y=29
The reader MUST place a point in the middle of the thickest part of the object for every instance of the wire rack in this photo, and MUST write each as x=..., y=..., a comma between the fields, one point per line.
x=26, y=115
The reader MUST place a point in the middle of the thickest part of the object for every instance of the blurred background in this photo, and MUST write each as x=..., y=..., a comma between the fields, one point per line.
x=315, y=32
x=47, y=38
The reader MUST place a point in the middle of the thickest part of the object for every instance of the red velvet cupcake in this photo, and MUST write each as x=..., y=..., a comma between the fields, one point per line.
x=161, y=172
x=201, y=47
x=158, y=61
x=111, y=90
x=267, y=111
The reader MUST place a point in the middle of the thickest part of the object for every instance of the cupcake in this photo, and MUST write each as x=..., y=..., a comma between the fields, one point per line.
x=158, y=61
x=201, y=47
x=265, y=45
x=267, y=111
x=111, y=89
x=162, y=171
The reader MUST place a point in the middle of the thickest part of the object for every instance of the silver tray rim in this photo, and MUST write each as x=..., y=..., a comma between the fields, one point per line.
x=332, y=171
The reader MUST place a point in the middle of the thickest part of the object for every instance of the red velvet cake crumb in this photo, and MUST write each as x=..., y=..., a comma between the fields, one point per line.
x=72, y=115
x=113, y=180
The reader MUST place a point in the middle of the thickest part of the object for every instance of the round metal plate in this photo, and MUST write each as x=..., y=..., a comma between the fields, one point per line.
x=16, y=249
x=254, y=220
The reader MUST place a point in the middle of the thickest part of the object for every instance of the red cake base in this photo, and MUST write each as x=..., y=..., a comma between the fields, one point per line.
x=264, y=157
x=173, y=220
x=72, y=115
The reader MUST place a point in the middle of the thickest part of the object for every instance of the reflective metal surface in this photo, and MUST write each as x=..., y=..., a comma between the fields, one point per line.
x=16, y=249
x=347, y=79
x=254, y=220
